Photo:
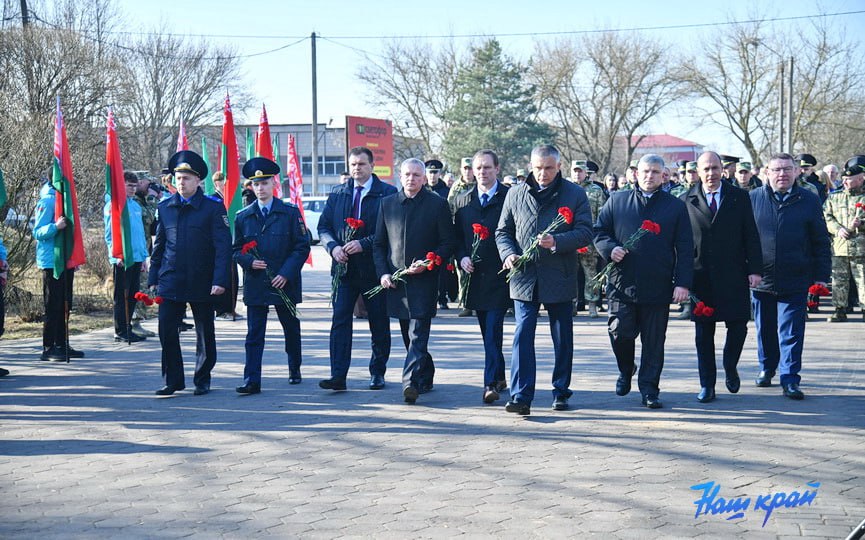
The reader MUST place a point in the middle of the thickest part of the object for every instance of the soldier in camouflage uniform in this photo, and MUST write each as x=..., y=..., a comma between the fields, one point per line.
x=630, y=175
x=465, y=184
x=589, y=258
x=744, y=178
x=689, y=178
x=846, y=222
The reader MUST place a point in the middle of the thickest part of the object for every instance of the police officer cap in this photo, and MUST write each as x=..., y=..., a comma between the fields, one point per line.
x=467, y=162
x=259, y=168
x=592, y=167
x=434, y=165
x=726, y=161
x=578, y=164
x=188, y=161
x=744, y=166
x=855, y=165
x=682, y=164
x=691, y=166
x=806, y=160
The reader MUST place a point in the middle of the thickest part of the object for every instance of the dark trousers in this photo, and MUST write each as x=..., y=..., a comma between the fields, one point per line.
x=649, y=321
x=705, y=341
x=54, y=326
x=227, y=302
x=419, y=369
x=170, y=316
x=523, y=361
x=341, y=329
x=126, y=284
x=256, y=326
x=581, y=285
x=492, y=325
x=780, y=322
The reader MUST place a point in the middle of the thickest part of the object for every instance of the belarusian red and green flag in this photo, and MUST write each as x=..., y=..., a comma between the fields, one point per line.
x=182, y=142
x=230, y=166
x=69, y=242
x=209, y=186
x=115, y=188
x=264, y=148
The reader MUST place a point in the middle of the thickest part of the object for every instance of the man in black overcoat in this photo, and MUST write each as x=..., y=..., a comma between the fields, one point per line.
x=487, y=293
x=412, y=223
x=646, y=278
x=727, y=262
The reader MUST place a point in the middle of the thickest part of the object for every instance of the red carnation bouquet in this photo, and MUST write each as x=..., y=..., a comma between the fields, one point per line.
x=352, y=226
x=481, y=233
x=147, y=300
x=583, y=250
x=252, y=249
x=814, y=293
x=430, y=262
x=700, y=308
x=565, y=215
x=647, y=227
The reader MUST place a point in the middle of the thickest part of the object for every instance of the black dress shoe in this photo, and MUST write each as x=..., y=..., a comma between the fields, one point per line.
x=201, y=390
x=248, y=388
x=443, y=305
x=167, y=390
x=792, y=391
x=706, y=395
x=764, y=379
x=331, y=384
x=652, y=402
x=53, y=353
x=74, y=353
x=560, y=403
x=623, y=385
x=410, y=393
x=733, y=381
x=501, y=385
x=294, y=377
x=132, y=337
x=425, y=388
x=184, y=326
x=4, y=372
x=376, y=382
x=523, y=409
x=491, y=395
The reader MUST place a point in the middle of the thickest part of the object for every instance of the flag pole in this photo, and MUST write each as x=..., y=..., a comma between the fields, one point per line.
x=126, y=306
x=65, y=283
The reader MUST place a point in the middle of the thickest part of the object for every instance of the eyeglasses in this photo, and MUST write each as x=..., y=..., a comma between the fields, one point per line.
x=777, y=170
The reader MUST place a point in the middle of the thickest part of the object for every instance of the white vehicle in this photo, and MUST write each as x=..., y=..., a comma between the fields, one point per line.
x=312, y=209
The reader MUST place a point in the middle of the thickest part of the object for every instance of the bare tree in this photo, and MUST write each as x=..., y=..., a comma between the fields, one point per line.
x=601, y=91
x=415, y=85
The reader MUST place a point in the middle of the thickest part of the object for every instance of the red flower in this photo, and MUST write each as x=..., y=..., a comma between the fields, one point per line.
x=450, y=267
x=708, y=311
x=354, y=223
x=566, y=213
x=147, y=301
x=812, y=304
x=583, y=250
x=249, y=246
x=698, y=309
x=438, y=260
x=482, y=232
x=860, y=205
x=157, y=300
x=140, y=296
x=651, y=226
x=818, y=290
x=430, y=256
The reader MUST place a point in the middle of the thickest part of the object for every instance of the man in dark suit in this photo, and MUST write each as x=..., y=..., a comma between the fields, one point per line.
x=282, y=246
x=550, y=277
x=647, y=277
x=727, y=261
x=796, y=254
x=189, y=263
x=487, y=292
x=410, y=224
x=359, y=198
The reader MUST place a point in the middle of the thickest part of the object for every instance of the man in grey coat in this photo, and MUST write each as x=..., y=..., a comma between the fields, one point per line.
x=548, y=277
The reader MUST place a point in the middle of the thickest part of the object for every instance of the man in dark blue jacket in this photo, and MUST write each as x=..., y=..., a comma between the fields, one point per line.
x=647, y=277
x=272, y=265
x=189, y=263
x=796, y=254
x=359, y=198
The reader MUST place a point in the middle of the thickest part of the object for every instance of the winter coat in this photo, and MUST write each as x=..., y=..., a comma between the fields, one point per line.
x=44, y=229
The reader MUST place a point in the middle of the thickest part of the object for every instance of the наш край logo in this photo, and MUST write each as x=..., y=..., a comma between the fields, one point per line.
x=710, y=503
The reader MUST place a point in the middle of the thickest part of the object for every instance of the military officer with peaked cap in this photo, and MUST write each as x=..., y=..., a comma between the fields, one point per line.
x=728, y=163
x=808, y=178
x=433, y=177
x=282, y=246
x=189, y=264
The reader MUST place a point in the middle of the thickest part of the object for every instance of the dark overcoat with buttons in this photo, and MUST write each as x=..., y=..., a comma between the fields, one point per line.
x=552, y=275
x=407, y=229
x=726, y=251
x=192, y=251
x=282, y=242
x=488, y=287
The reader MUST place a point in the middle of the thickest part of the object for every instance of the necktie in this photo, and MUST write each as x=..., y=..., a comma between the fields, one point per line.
x=355, y=207
x=485, y=199
x=264, y=211
x=781, y=196
x=713, y=204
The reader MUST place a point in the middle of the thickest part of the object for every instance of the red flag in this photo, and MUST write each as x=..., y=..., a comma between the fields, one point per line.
x=182, y=142
x=295, y=182
x=264, y=148
x=230, y=166
x=68, y=243
x=115, y=187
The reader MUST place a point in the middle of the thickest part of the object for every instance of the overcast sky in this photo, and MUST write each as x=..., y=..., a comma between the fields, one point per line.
x=281, y=79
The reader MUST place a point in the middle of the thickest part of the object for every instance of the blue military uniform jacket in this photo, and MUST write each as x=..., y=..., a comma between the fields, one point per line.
x=282, y=242
x=192, y=250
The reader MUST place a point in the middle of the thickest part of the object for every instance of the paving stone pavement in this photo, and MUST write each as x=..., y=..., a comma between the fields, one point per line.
x=87, y=450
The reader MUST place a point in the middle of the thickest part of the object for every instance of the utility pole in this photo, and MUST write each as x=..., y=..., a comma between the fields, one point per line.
x=314, y=121
x=781, y=123
x=790, y=140
x=25, y=16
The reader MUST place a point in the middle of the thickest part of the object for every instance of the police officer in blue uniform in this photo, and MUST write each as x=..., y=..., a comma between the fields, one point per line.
x=281, y=248
x=189, y=264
